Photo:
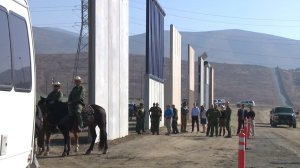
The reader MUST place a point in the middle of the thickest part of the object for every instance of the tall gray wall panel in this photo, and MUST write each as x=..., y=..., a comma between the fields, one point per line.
x=201, y=81
x=109, y=63
x=206, y=85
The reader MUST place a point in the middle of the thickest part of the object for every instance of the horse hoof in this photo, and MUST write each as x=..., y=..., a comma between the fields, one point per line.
x=88, y=152
x=64, y=154
x=76, y=149
x=46, y=154
x=104, y=152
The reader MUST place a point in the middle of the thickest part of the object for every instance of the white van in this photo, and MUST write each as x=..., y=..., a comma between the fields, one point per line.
x=17, y=85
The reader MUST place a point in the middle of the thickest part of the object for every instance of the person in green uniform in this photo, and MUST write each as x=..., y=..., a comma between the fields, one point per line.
x=76, y=101
x=214, y=116
x=227, y=119
x=140, y=115
x=56, y=95
x=156, y=117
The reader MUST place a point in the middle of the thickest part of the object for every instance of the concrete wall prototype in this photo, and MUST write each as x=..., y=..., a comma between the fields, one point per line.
x=108, y=62
x=207, y=84
x=191, y=79
x=201, y=81
x=155, y=89
x=211, y=86
x=173, y=86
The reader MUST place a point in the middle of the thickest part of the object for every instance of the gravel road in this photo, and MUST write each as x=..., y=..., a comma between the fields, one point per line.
x=271, y=147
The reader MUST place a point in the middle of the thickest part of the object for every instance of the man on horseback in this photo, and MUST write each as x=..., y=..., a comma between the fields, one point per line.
x=56, y=95
x=76, y=101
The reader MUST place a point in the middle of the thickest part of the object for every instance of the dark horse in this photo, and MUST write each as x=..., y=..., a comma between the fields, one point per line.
x=57, y=115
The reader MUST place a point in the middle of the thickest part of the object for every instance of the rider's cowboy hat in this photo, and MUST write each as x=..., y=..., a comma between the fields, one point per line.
x=56, y=84
x=77, y=78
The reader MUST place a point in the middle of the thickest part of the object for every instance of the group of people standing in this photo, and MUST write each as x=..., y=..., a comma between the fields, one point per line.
x=215, y=120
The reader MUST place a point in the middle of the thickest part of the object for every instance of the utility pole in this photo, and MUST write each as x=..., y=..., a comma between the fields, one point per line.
x=81, y=60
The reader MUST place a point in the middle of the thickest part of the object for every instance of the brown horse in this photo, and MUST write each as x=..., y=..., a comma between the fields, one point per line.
x=58, y=115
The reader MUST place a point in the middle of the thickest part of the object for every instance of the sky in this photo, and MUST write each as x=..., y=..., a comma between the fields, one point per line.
x=276, y=17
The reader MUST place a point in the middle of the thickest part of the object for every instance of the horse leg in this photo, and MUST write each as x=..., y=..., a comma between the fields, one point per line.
x=41, y=141
x=103, y=140
x=66, y=143
x=48, y=134
x=76, y=137
x=94, y=136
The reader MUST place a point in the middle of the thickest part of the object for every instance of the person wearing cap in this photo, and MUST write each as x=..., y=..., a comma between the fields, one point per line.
x=76, y=101
x=55, y=95
x=140, y=115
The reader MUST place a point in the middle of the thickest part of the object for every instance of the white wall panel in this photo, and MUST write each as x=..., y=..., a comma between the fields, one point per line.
x=211, y=86
x=173, y=87
x=154, y=93
x=191, y=79
x=111, y=64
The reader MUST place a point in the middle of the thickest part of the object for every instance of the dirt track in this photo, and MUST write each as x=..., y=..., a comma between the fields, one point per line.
x=272, y=147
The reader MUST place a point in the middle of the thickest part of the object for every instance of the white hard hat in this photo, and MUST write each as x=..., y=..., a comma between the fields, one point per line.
x=56, y=84
x=78, y=78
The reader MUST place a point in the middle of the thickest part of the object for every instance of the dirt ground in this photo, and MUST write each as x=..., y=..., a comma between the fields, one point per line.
x=271, y=147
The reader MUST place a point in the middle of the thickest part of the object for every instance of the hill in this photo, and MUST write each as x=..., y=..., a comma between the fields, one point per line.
x=223, y=46
x=233, y=47
x=232, y=82
x=54, y=41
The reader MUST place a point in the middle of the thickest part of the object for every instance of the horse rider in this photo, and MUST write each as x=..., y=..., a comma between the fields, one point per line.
x=76, y=101
x=54, y=96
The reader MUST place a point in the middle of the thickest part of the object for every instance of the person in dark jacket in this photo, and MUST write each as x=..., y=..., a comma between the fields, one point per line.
x=242, y=113
x=222, y=121
x=174, y=120
x=208, y=116
x=184, y=112
x=140, y=115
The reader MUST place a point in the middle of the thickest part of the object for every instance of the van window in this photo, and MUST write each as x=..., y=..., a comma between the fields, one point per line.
x=21, y=53
x=5, y=54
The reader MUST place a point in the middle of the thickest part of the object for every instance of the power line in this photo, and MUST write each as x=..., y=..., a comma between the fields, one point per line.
x=226, y=16
x=55, y=7
x=222, y=22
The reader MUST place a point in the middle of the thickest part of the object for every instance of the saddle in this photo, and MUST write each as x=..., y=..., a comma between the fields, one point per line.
x=87, y=115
